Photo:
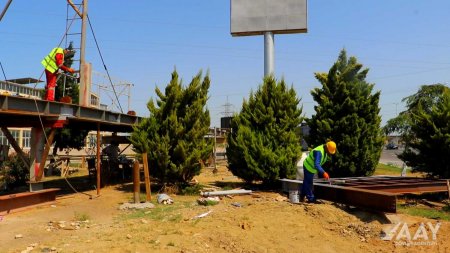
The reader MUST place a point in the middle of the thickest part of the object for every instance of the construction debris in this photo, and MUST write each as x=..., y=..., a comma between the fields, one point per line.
x=202, y=215
x=164, y=199
x=208, y=201
x=126, y=206
x=229, y=192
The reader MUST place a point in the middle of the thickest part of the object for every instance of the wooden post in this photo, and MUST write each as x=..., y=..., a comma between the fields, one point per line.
x=83, y=162
x=148, y=196
x=448, y=189
x=136, y=182
x=45, y=154
x=98, y=159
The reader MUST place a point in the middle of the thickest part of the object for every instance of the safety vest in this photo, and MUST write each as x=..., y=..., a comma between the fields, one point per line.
x=309, y=162
x=49, y=61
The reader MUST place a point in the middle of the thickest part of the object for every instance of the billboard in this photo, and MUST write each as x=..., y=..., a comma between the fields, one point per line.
x=255, y=17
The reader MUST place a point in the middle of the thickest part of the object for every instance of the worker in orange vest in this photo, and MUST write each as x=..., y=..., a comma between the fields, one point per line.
x=52, y=62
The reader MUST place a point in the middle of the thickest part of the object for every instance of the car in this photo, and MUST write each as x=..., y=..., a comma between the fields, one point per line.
x=391, y=146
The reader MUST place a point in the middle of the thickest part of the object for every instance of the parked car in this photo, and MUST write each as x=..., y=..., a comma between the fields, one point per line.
x=391, y=146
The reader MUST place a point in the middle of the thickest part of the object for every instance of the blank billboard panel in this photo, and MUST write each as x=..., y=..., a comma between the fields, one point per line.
x=254, y=17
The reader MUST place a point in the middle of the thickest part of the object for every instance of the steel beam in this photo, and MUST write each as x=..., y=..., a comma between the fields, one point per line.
x=15, y=145
x=368, y=199
x=372, y=200
x=9, y=203
x=26, y=112
x=399, y=185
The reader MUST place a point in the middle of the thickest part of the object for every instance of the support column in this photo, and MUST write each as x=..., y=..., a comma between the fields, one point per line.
x=83, y=82
x=45, y=154
x=36, y=151
x=98, y=159
x=269, y=54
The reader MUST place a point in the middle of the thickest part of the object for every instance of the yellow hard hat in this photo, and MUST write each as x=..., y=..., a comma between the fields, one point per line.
x=331, y=147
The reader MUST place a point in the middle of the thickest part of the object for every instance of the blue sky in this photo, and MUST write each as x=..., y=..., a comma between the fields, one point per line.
x=404, y=43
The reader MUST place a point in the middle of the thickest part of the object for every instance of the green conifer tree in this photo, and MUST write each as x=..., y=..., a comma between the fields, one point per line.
x=176, y=130
x=263, y=145
x=348, y=113
x=428, y=148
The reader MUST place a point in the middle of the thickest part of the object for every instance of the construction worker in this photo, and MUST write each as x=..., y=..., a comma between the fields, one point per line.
x=52, y=62
x=313, y=164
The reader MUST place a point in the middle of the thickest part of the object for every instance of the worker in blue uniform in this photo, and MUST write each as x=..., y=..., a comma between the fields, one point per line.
x=312, y=165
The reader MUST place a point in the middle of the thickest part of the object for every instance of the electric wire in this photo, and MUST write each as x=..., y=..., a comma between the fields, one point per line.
x=104, y=66
x=35, y=100
x=4, y=75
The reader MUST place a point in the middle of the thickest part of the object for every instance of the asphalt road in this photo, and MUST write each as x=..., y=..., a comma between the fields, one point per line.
x=390, y=157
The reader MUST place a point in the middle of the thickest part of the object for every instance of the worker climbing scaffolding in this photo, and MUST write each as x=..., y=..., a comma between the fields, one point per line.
x=53, y=62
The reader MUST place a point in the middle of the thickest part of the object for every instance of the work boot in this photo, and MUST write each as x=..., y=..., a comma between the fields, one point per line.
x=302, y=198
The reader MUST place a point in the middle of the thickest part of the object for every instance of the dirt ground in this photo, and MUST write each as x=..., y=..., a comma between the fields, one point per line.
x=264, y=222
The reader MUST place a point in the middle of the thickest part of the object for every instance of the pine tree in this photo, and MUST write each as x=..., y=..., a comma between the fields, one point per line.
x=347, y=112
x=427, y=97
x=427, y=132
x=263, y=145
x=176, y=130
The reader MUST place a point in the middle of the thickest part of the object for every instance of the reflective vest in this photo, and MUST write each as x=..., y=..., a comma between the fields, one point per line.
x=309, y=162
x=49, y=61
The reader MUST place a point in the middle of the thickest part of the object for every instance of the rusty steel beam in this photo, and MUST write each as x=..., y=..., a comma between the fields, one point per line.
x=413, y=188
x=12, y=202
x=15, y=145
x=399, y=185
x=368, y=199
x=45, y=154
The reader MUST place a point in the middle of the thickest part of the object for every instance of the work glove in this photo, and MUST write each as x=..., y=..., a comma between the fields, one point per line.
x=71, y=70
x=326, y=176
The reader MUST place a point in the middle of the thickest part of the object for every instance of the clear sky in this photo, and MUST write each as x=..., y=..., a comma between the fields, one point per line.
x=404, y=43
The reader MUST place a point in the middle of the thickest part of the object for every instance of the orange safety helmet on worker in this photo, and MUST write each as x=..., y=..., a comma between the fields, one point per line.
x=313, y=164
x=52, y=62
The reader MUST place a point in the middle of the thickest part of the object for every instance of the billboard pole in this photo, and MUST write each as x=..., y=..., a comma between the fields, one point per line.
x=269, y=54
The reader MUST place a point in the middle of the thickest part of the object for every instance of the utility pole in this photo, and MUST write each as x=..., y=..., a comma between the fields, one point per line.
x=269, y=54
x=396, y=113
x=85, y=68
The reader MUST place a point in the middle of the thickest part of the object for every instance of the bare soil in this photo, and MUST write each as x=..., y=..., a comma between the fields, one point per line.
x=264, y=222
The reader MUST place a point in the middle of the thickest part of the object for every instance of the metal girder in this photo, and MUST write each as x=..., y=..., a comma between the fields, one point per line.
x=398, y=185
x=26, y=112
x=373, y=200
x=375, y=193
x=15, y=145
x=9, y=203
x=368, y=199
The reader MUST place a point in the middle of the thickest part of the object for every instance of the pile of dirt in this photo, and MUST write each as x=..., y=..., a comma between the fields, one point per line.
x=261, y=222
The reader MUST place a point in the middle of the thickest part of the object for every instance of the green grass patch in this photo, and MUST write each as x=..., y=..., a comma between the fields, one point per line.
x=208, y=202
x=81, y=216
x=227, y=188
x=426, y=212
x=383, y=169
x=192, y=190
x=161, y=212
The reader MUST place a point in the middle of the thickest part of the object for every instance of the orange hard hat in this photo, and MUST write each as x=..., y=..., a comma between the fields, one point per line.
x=331, y=147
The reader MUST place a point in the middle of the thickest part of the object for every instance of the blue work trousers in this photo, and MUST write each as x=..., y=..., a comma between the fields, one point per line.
x=307, y=187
